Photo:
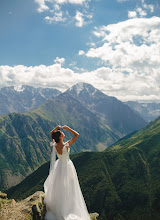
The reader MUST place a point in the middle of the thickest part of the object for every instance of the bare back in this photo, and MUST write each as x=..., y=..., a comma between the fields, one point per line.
x=60, y=148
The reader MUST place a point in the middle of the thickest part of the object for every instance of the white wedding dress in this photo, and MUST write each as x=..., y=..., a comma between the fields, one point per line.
x=63, y=195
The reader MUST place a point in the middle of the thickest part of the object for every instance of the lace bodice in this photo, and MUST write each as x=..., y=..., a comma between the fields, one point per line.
x=65, y=153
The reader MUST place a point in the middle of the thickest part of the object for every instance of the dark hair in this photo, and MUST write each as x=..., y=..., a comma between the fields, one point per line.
x=56, y=135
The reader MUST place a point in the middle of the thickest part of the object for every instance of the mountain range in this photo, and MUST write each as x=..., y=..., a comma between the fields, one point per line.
x=24, y=138
x=121, y=182
x=23, y=98
x=148, y=111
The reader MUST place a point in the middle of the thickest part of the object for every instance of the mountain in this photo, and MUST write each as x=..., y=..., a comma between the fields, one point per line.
x=122, y=182
x=24, y=146
x=23, y=98
x=148, y=111
x=24, y=138
x=117, y=115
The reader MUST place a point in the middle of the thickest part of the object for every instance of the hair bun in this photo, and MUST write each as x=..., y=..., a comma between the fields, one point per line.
x=56, y=135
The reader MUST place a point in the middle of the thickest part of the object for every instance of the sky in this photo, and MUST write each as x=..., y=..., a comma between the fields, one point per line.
x=113, y=45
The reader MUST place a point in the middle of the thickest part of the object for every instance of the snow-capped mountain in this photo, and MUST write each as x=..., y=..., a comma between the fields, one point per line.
x=119, y=116
x=23, y=98
x=80, y=87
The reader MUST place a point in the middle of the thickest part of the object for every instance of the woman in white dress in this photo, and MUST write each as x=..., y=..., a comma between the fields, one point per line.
x=63, y=195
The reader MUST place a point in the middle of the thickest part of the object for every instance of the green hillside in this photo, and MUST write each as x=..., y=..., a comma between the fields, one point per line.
x=24, y=138
x=122, y=182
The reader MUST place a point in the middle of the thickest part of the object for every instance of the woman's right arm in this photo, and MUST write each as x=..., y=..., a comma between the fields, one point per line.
x=75, y=133
x=55, y=129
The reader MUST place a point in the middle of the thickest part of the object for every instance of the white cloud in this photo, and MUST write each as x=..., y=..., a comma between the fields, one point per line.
x=129, y=43
x=149, y=7
x=131, y=50
x=79, y=19
x=61, y=14
x=114, y=82
x=132, y=14
x=42, y=6
x=141, y=9
x=43, y=3
x=45, y=76
x=81, y=52
x=82, y=18
x=59, y=60
x=142, y=13
x=58, y=17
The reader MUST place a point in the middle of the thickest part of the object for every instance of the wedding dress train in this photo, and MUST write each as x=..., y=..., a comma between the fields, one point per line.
x=63, y=195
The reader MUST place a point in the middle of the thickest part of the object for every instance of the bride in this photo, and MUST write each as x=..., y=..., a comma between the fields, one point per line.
x=63, y=195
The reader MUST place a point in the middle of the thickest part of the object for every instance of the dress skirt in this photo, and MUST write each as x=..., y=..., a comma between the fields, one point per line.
x=63, y=195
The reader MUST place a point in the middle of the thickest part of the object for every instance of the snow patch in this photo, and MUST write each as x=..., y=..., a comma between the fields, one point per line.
x=19, y=88
x=79, y=87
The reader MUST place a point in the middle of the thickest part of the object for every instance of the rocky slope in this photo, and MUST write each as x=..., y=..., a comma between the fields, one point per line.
x=32, y=207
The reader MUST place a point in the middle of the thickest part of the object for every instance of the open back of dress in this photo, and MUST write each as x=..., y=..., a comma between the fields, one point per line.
x=63, y=195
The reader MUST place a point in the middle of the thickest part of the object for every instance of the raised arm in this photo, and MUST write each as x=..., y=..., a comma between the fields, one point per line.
x=75, y=133
x=55, y=129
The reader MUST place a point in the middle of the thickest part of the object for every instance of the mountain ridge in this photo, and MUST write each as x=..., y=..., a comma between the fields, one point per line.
x=23, y=98
x=119, y=116
x=149, y=111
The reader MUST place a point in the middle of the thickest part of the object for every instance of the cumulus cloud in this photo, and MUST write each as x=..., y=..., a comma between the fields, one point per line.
x=45, y=76
x=59, y=60
x=129, y=43
x=132, y=14
x=130, y=51
x=123, y=83
x=81, y=52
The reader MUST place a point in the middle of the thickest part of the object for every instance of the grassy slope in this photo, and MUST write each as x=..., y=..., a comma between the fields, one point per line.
x=122, y=182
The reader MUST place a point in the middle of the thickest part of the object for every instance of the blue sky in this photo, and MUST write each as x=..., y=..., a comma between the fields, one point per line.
x=37, y=42
x=56, y=43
